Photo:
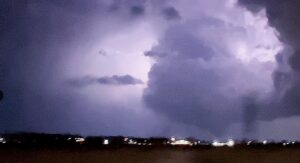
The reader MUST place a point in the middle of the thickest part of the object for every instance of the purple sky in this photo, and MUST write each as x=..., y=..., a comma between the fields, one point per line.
x=203, y=68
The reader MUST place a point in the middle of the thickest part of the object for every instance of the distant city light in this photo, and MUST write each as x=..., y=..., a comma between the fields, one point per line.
x=230, y=143
x=2, y=140
x=132, y=141
x=181, y=142
x=173, y=139
x=105, y=142
x=249, y=142
x=79, y=140
x=218, y=144
x=265, y=142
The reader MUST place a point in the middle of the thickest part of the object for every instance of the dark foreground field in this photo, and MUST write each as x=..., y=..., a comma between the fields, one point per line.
x=164, y=155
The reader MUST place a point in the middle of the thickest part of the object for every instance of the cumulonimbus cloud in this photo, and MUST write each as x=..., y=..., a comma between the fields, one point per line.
x=208, y=71
x=214, y=63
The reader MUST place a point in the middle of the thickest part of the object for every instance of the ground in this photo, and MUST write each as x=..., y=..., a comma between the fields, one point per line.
x=164, y=155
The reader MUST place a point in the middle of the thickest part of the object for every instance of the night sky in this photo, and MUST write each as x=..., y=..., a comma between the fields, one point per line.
x=203, y=68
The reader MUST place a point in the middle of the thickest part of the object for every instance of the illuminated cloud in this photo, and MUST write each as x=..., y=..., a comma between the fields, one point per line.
x=285, y=18
x=207, y=66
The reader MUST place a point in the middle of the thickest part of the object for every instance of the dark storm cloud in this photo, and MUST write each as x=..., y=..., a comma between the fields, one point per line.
x=170, y=13
x=119, y=80
x=137, y=10
x=134, y=8
x=285, y=17
x=106, y=80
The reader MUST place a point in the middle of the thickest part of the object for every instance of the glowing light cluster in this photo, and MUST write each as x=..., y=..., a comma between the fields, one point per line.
x=249, y=142
x=217, y=144
x=173, y=139
x=229, y=143
x=265, y=142
x=79, y=140
x=288, y=143
x=2, y=140
x=132, y=142
x=181, y=142
x=105, y=142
